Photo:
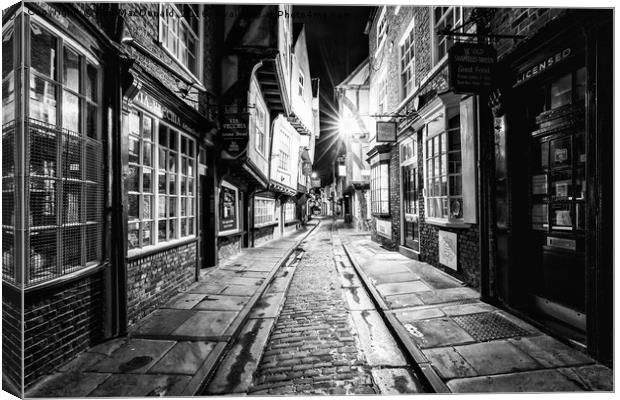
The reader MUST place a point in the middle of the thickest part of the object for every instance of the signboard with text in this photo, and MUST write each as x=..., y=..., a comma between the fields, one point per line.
x=235, y=134
x=386, y=131
x=471, y=67
x=447, y=249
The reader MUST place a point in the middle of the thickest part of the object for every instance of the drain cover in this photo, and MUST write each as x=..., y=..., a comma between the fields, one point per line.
x=488, y=326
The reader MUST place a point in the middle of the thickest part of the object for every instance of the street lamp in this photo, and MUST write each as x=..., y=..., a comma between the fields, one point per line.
x=314, y=175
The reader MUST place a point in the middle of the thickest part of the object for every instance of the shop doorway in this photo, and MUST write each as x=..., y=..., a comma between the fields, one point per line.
x=411, y=222
x=207, y=250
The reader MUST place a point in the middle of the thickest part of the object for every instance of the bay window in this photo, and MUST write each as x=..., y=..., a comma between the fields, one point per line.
x=62, y=172
x=264, y=211
x=380, y=187
x=179, y=33
x=160, y=182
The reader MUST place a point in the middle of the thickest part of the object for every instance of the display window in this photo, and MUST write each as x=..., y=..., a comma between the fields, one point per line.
x=160, y=182
x=228, y=208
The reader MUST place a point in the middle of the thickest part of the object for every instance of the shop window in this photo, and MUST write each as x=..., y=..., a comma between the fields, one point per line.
x=160, y=182
x=179, y=33
x=445, y=18
x=290, y=212
x=568, y=89
x=63, y=216
x=443, y=173
x=380, y=187
x=260, y=126
x=228, y=208
x=407, y=62
x=264, y=211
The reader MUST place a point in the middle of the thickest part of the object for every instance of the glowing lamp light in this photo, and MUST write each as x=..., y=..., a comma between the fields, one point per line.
x=346, y=125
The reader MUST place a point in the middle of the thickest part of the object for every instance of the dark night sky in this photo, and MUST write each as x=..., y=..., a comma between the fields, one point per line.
x=336, y=45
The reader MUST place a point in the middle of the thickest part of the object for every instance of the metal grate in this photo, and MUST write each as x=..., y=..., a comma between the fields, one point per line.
x=65, y=202
x=489, y=326
x=8, y=201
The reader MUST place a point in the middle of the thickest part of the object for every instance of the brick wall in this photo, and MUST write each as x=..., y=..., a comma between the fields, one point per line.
x=264, y=235
x=228, y=246
x=11, y=340
x=60, y=322
x=154, y=279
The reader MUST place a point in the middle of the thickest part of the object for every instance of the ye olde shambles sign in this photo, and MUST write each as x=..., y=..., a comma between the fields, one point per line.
x=471, y=67
x=235, y=134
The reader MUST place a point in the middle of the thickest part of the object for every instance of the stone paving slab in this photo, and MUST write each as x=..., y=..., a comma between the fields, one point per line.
x=395, y=278
x=141, y=385
x=235, y=373
x=394, y=381
x=70, y=384
x=222, y=303
x=437, y=332
x=238, y=290
x=185, y=301
x=376, y=340
x=449, y=363
x=387, y=289
x=550, y=352
x=448, y=295
x=162, y=322
x=403, y=300
x=412, y=315
x=268, y=306
x=207, y=287
x=184, y=358
x=496, y=357
x=530, y=381
x=591, y=377
x=244, y=281
x=135, y=356
x=463, y=309
x=206, y=324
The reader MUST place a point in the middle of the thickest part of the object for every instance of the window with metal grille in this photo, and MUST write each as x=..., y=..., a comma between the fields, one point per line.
x=64, y=158
x=445, y=17
x=380, y=187
x=179, y=33
x=290, y=211
x=444, y=192
x=407, y=62
x=264, y=211
x=162, y=210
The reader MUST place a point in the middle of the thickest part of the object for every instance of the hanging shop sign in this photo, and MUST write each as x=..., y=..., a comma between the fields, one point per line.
x=386, y=131
x=234, y=134
x=471, y=67
x=547, y=62
x=447, y=249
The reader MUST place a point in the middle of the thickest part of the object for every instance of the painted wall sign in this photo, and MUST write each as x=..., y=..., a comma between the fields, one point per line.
x=448, y=255
x=384, y=228
x=471, y=67
x=234, y=133
x=541, y=66
x=228, y=208
x=386, y=131
x=150, y=104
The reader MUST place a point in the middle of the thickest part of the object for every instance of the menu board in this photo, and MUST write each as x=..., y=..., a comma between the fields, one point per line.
x=228, y=209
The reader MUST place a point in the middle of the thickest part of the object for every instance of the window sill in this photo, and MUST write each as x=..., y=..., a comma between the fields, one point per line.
x=265, y=224
x=156, y=248
x=447, y=224
x=381, y=215
x=82, y=273
x=236, y=232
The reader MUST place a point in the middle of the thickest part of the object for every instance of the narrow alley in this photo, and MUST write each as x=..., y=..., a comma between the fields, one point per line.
x=327, y=339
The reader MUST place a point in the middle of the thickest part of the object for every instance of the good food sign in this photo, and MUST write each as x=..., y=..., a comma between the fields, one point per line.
x=471, y=67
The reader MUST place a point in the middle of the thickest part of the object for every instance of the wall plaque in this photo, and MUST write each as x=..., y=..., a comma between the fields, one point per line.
x=448, y=249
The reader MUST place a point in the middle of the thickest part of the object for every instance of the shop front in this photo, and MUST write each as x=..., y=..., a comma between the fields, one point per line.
x=549, y=141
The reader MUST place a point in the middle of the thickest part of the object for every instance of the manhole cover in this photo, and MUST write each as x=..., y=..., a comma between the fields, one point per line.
x=488, y=326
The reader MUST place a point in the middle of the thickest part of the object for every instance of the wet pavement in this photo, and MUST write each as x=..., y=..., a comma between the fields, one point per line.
x=317, y=332
x=461, y=344
x=173, y=350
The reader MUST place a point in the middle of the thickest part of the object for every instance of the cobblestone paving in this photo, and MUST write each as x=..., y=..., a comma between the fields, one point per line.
x=313, y=348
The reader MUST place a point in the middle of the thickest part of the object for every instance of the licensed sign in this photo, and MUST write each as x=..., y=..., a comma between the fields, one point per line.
x=471, y=67
x=235, y=134
x=386, y=131
x=448, y=249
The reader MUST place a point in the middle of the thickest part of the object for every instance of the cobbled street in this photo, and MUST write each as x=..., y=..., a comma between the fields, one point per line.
x=315, y=347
